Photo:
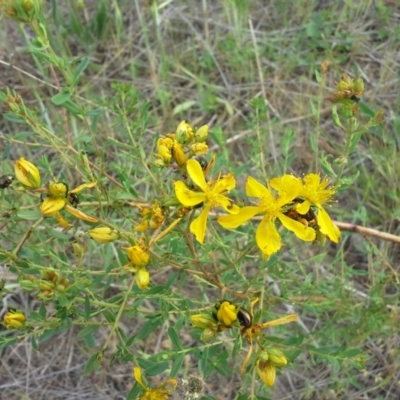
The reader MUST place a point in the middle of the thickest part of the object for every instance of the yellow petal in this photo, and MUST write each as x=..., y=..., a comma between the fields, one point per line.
x=302, y=231
x=267, y=237
x=287, y=186
x=83, y=186
x=137, y=373
x=280, y=321
x=64, y=223
x=235, y=220
x=196, y=174
x=188, y=197
x=224, y=184
x=227, y=205
x=199, y=225
x=303, y=208
x=51, y=205
x=79, y=214
x=326, y=226
x=256, y=189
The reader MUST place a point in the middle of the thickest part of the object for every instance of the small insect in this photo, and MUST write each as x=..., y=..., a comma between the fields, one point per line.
x=5, y=181
x=245, y=318
x=73, y=199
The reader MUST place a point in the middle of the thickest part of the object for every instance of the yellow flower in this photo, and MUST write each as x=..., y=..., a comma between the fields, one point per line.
x=267, y=235
x=27, y=173
x=227, y=313
x=160, y=393
x=138, y=256
x=103, y=234
x=315, y=192
x=14, y=320
x=212, y=194
x=142, y=278
x=59, y=197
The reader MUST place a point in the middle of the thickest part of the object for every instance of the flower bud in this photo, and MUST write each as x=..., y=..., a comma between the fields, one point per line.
x=358, y=87
x=179, y=154
x=14, y=320
x=104, y=234
x=184, y=132
x=277, y=358
x=165, y=154
x=207, y=334
x=266, y=371
x=142, y=278
x=62, y=285
x=45, y=286
x=203, y=321
x=201, y=134
x=27, y=173
x=49, y=275
x=227, y=313
x=199, y=148
x=57, y=189
x=138, y=257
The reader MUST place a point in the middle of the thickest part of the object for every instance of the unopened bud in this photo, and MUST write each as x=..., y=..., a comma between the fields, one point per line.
x=104, y=234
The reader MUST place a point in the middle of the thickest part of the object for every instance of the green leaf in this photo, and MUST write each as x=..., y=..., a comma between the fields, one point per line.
x=87, y=308
x=157, y=369
x=93, y=364
x=183, y=106
x=34, y=343
x=87, y=331
x=79, y=69
x=9, y=116
x=72, y=107
x=29, y=215
x=61, y=98
x=177, y=365
x=110, y=317
x=175, y=339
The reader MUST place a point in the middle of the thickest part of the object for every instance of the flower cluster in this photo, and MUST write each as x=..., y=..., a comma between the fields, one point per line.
x=348, y=89
x=226, y=315
x=185, y=143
